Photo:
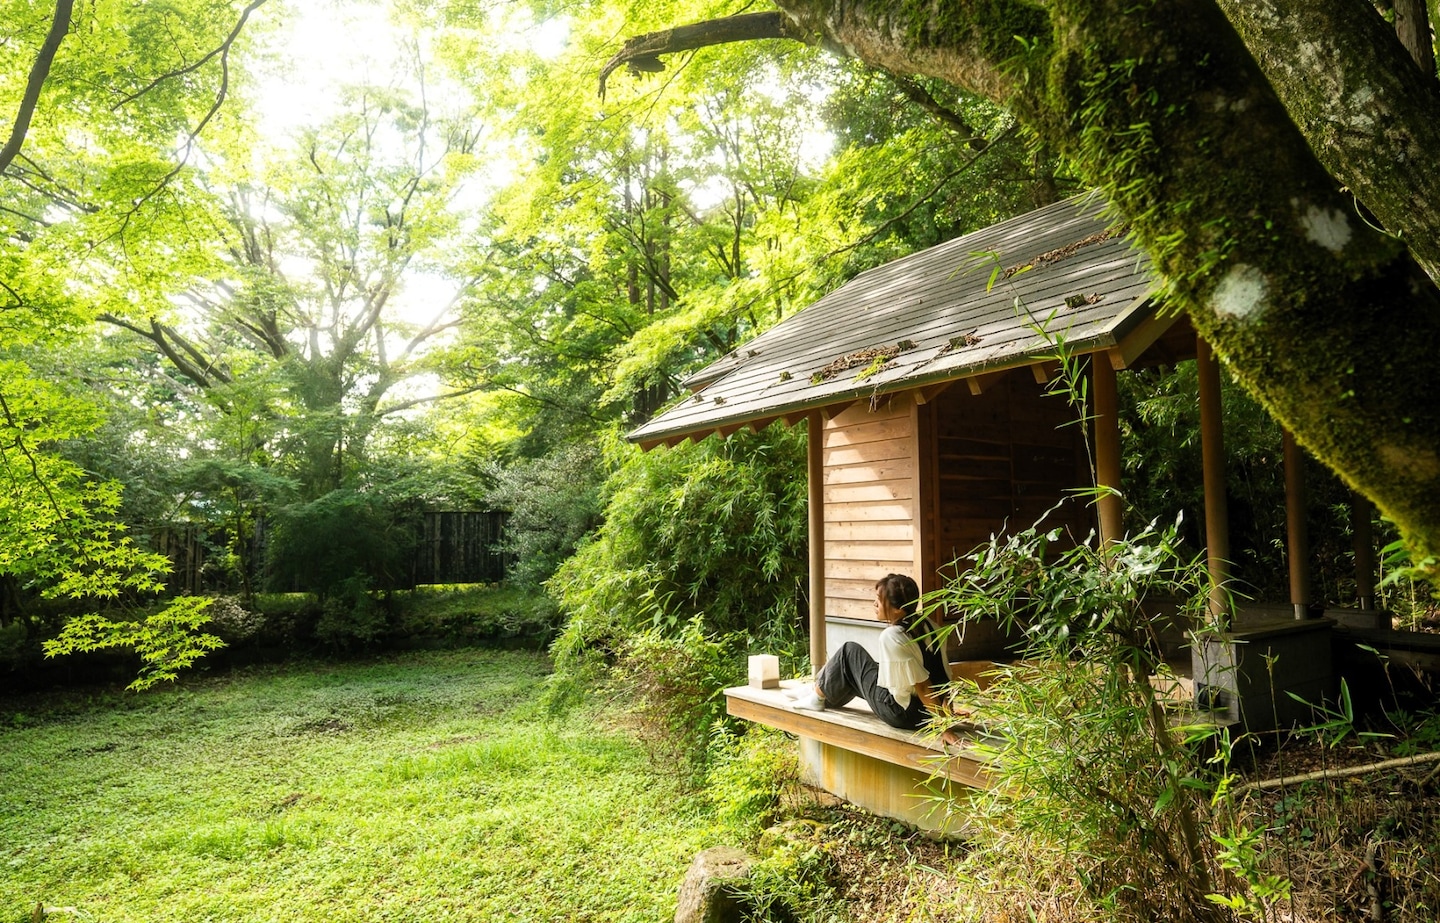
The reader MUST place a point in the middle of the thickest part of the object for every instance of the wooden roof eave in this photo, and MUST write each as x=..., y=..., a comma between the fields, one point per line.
x=1133, y=329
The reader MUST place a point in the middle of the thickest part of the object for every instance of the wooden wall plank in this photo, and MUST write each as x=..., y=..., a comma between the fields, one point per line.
x=861, y=531
x=872, y=490
x=851, y=608
x=852, y=588
x=888, y=427
x=972, y=468
x=974, y=448
x=870, y=551
x=861, y=411
x=898, y=510
x=862, y=570
x=867, y=452
x=891, y=470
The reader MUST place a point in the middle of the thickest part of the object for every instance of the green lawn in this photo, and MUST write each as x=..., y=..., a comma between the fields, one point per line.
x=426, y=787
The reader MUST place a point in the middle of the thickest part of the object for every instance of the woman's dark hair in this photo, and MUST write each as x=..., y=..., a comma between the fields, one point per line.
x=903, y=594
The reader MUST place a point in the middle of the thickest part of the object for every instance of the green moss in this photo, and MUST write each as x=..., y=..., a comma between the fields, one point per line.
x=1001, y=29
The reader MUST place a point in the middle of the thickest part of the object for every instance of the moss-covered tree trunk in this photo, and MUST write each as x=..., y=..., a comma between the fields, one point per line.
x=1331, y=322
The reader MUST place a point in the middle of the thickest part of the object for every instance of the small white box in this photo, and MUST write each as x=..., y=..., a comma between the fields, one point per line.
x=765, y=671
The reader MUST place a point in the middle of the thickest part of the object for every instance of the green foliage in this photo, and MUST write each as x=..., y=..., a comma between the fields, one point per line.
x=168, y=641
x=676, y=685
x=350, y=617
x=715, y=530
x=554, y=503
x=1160, y=429
x=749, y=770
x=796, y=878
x=342, y=547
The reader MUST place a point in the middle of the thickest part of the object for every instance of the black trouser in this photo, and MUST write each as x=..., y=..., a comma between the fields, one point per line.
x=851, y=672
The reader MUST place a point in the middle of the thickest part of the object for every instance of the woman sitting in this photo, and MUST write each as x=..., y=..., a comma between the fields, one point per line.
x=901, y=687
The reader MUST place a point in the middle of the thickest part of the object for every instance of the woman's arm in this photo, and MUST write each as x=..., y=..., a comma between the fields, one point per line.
x=936, y=706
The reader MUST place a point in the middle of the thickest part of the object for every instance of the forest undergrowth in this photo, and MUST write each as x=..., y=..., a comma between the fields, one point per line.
x=1343, y=848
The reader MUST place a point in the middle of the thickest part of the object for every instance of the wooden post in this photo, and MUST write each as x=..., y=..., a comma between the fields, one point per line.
x=1212, y=453
x=815, y=457
x=1107, y=447
x=1297, y=536
x=1363, y=539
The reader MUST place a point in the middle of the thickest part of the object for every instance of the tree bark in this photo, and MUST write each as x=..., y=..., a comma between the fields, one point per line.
x=1412, y=27
x=1370, y=115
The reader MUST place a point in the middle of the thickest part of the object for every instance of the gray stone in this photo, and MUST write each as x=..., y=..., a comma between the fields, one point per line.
x=707, y=895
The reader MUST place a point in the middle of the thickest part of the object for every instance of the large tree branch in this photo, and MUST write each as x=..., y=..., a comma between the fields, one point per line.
x=39, y=71
x=184, y=355
x=946, y=116
x=428, y=399
x=642, y=53
x=1370, y=115
x=187, y=147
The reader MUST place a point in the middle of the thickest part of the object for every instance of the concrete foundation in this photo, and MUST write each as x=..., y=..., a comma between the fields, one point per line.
x=883, y=788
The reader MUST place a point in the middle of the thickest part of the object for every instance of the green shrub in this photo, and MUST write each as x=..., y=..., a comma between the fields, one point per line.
x=554, y=502
x=1097, y=798
x=796, y=876
x=715, y=531
x=351, y=618
x=676, y=687
x=749, y=770
x=325, y=546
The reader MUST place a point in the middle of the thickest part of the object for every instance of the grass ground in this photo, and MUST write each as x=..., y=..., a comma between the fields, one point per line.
x=423, y=787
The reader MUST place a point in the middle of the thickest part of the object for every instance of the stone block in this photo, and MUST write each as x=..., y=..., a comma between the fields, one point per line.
x=707, y=894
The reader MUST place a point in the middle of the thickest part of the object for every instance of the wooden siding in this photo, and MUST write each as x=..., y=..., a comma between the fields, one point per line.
x=872, y=492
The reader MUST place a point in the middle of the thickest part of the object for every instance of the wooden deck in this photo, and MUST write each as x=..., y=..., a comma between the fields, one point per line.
x=855, y=728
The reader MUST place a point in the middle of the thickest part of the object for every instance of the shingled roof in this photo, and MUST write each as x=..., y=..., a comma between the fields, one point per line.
x=963, y=308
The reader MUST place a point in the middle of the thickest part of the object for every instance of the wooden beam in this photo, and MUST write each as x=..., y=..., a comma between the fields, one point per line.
x=1212, y=453
x=815, y=469
x=921, y=489
x=928, y=394
x=1045, y=371
x=1134, y=344
x=1107, y=449
x=1363, y=539
x=831, y=411
x=1297, y=544
x=979, y=384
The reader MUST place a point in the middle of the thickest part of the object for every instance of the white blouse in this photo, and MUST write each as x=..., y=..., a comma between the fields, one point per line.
x=901, y=664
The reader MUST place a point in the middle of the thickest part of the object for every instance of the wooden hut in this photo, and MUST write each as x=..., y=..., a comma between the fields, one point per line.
x=924, y=384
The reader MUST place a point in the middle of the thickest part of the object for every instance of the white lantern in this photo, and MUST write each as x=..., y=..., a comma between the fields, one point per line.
x=765, y=671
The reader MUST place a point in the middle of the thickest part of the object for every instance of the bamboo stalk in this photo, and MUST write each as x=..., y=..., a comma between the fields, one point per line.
x=1398, y=763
